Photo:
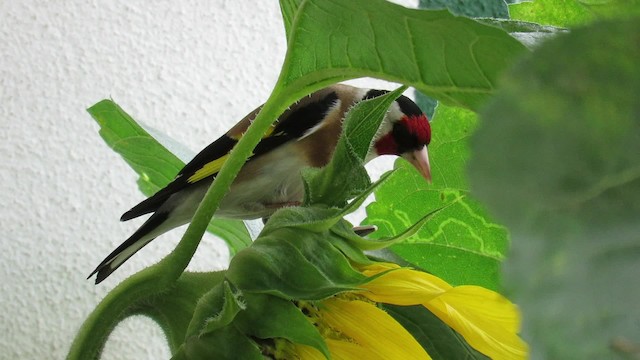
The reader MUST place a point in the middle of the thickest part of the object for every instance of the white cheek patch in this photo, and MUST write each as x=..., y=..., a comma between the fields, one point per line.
x=393, y=114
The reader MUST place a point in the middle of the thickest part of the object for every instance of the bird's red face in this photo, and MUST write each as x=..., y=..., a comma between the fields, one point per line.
x=408, y=137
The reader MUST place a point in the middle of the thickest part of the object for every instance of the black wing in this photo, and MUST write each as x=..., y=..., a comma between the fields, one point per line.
x=292, y=125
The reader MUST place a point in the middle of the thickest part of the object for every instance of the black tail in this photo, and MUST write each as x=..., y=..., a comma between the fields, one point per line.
x=123, y=252
x=146, y=206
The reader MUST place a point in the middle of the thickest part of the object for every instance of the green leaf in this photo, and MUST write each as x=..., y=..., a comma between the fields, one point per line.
x=269, y=317
x=361, y=124
x=570, y=13
x=454, y=59
x=289, y=8
x=557, y=160
x=460, y=243
x=437, y=338
x=155, y=165
x=552, y=12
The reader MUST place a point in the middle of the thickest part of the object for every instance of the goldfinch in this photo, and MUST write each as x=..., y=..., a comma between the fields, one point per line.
x=303, y=136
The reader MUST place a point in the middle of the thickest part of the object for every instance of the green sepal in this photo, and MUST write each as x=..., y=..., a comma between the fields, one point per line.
x=215, y=310
x=343, y=239
x=376, y=244
x=294, y=264
x=227, y=343
x=312, y=218
x=268, y=317
x=318, y=218
x=232, y=305
x=439, y=340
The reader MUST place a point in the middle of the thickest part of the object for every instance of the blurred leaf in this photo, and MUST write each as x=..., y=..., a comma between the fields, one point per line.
x=461, y=243
x=613, y=9
x=477, y=8
x=440, y=341
x=156, y=165
x=557, y=160
x=454, y=59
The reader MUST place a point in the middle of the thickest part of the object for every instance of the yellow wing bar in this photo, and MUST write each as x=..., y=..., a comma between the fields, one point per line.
x=214, y=166
x=208, y=169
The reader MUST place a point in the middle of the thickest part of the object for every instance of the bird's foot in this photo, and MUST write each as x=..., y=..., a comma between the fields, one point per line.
x=364, y=230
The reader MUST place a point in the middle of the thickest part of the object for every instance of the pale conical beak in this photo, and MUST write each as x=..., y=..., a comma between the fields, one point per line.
x=420, y=160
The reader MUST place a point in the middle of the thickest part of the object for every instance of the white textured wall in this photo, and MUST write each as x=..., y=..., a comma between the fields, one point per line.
x=187, y=68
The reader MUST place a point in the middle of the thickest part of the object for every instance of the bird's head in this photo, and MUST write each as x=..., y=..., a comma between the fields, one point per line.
x=405, y=132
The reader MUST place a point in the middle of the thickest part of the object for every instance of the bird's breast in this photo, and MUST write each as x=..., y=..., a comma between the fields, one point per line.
x=265, y=184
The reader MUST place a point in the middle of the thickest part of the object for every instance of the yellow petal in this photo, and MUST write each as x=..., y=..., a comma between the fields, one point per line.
x=486, y=319
x=306, y=352
x=343, y=350
x=372, y=329
x=339, y=349
x=404, y=287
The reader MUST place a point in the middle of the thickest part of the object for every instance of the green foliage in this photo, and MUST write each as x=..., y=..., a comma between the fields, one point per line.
x=555, y=158
x=383, y=40
x=567, y=183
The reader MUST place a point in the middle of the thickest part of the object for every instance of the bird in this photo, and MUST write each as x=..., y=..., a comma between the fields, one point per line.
x=305, y=135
